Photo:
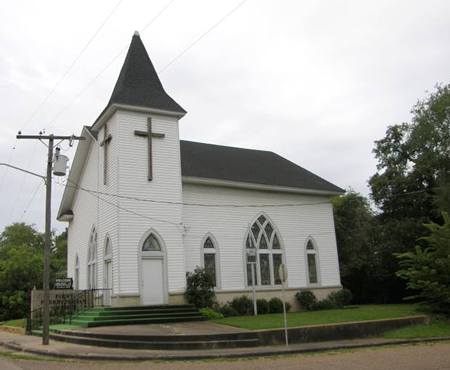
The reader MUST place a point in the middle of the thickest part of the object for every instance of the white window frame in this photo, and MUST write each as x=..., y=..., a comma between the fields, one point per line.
x=269, y=251
x=214, y=251
x=314, y=252
x=91, y=282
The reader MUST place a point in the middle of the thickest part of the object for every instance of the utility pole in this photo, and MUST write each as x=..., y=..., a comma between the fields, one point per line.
x=47, y=247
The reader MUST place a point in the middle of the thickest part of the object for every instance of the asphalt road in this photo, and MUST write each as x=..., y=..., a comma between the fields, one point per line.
x=411, y=357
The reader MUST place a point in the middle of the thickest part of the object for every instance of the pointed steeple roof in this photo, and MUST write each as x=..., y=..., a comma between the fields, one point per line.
x=138, y=83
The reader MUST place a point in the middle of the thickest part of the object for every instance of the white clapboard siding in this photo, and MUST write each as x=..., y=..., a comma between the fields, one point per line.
x=229, y=226
x=136, y=218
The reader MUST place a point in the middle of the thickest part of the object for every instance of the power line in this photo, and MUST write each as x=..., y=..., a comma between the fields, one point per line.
x=97, y=76
x=126, y=209
x=178, y=56
x=76, y=186
x=60, y=80
x=65, y=74
x=30, y=201
x=184, y=51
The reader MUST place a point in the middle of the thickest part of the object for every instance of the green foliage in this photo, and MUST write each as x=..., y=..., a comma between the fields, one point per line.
x=242, y=305
x=324, y=304
x=412, y=183
x=21, y=267
x=426, y=270
x=210, y=314
x=262, y=306
x=356, y=235
x=227, y=310
x=200, y=288
x=275, y=305
x=341, y=298
x=306, y=299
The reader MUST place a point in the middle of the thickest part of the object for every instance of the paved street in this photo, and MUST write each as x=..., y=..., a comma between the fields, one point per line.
x=411, y=357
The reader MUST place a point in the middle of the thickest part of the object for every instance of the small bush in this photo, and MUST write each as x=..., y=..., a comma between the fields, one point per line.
x=324, y=304
x=242, y=305
x=306, y=299
x=200, y=288
x=210, y=314
x=227, y=311
x=263, y=306
x=341, y=298
x=288, y=306
x=275, y=305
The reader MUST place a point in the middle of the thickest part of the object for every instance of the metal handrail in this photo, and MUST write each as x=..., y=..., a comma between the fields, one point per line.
x=71, y=305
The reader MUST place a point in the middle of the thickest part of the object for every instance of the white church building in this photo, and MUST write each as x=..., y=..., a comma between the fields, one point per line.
x=144, y=207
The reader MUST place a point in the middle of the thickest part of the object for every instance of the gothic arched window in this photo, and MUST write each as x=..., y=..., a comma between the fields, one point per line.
x=311, y=261
x=210, y=259
x=151, y=244
x=92, y=261
x=263, y=250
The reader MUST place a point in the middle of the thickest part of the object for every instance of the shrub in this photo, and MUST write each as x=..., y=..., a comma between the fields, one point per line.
x=426, y=269
x=306, y=299
x=324, y=304
x=210, y=314
x=341, y=298
x=200, y=288
x=262, y=306
x=227, y=310
x=242, y=305
x=275, y=305
x=288, y=306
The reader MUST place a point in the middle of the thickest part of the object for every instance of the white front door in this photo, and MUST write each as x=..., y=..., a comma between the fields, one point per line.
x=108, y=283
x=152, y=288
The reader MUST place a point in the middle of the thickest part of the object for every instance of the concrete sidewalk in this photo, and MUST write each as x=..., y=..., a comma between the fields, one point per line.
x=32, y=344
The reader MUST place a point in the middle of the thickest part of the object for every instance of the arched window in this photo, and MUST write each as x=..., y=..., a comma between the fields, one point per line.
x=210, y=259
x=108, y=250
x=92, y=261
x=263, y=250
x=311, y=260
x=76, y=279
x=151, y=244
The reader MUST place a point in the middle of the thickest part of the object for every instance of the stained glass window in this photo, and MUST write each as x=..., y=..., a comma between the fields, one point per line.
x=268, y=258
x=151, y=244
x=311, y=255
x=210, y=265
x=210, y=258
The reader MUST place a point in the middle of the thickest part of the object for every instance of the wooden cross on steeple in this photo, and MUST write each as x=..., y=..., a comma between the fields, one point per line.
x=149, y=134
x=104, y=143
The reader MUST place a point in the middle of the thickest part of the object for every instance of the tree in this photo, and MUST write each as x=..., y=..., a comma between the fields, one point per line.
x=354, y=223
x=21, y=266
x=412, y=183
x=427, y=269
x=200, y=288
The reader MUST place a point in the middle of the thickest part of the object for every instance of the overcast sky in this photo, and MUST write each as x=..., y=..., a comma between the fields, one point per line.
x=315, y=81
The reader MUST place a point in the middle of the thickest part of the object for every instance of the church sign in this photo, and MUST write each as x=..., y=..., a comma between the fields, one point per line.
x=65, y=283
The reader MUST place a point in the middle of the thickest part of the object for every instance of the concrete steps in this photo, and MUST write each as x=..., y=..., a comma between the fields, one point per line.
x=169, y=342
x=105, y=316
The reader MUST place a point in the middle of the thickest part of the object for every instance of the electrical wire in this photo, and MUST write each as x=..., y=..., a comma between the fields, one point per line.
x=30, y=201
x=225, y=205
x=105, y=68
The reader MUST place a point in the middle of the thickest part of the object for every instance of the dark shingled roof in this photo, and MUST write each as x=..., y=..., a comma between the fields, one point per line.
x=138, y=84
x=247, y=165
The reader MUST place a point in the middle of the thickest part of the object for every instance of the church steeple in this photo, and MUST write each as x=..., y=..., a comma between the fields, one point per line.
x=138, y=83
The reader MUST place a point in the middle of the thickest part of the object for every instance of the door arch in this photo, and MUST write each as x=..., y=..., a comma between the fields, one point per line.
x=153, y=285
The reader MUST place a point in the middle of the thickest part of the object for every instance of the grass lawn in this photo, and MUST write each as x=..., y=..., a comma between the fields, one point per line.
x=19, y=323
x=359, y=313
x=437, y=328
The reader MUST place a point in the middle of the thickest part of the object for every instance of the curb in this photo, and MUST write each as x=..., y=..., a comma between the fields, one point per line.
x=244, y=354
